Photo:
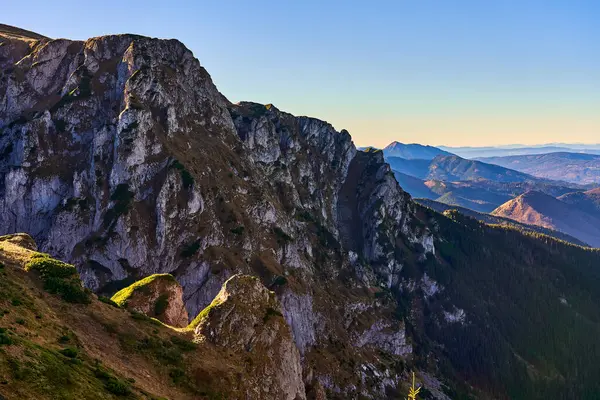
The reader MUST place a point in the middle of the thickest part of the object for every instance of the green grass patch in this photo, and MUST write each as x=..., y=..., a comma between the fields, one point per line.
x=281, y=236
x=111, y=383
x=280, y=281
x=59, y=278
x=203, y=314
x=69, y=352
x=5, y=339
x=138, y=316
x=47, y=373
x=183, y=344
x=177, y=375
x=304, y=216
x=122, y=198
x=271, y=312
x=164, y=351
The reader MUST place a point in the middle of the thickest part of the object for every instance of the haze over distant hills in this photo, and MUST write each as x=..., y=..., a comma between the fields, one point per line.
x=572, y=167
x=529, y=189
x=514, y=150
x=455, y=168
x=479, y=195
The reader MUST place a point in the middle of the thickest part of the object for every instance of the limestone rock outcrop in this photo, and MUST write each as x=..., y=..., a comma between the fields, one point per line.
x=246, y=318
x=158, y=296
x=119, y=155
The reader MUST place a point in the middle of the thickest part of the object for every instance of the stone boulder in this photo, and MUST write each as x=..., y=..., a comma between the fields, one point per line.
x=158, y=296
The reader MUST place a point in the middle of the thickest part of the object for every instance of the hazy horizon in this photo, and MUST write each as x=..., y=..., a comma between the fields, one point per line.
x=509, y=145
x=470, y=73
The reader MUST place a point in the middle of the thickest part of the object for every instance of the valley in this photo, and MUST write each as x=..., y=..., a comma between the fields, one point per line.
x=570, y=208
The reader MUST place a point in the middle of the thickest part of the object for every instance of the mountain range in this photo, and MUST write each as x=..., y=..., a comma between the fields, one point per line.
x=479, y=195
x=571, y=167
x=454, y=168
x=487, y=188
x=304, y=268
x=588, y=201
x=515, y=150
x=469, y=183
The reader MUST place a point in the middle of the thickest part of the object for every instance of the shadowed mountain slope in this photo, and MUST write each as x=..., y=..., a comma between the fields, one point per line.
x=588, y=201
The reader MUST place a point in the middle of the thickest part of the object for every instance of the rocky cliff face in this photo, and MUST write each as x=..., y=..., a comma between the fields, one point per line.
x=119, y=155
x=246, y=318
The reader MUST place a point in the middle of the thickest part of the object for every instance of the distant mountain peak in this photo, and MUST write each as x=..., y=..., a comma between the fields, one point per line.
x=412, y=151
x=538, y=208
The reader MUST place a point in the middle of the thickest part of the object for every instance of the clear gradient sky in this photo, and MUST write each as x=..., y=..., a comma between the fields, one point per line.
x=453, y=72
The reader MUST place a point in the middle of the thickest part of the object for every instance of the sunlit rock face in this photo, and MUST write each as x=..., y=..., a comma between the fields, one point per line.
x=159, y=296
x=119, y=154
x=89, y=135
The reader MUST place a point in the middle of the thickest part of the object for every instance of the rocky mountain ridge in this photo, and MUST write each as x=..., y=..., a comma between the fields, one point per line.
x=119, y=154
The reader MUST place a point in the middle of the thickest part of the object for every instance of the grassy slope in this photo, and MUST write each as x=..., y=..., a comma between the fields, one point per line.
x=20, y=33
x=111, y=353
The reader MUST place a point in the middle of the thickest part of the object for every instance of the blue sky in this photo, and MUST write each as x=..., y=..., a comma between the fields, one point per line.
x=452, y=72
